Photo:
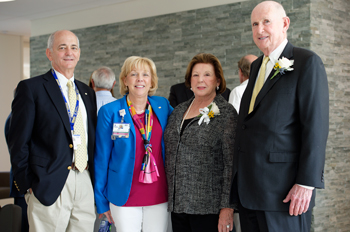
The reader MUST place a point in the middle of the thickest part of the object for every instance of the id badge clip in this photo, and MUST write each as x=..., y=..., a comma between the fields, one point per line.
x=120, y=130
x=76, y=141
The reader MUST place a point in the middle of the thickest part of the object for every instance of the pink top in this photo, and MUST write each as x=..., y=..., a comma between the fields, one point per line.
x=148, y=194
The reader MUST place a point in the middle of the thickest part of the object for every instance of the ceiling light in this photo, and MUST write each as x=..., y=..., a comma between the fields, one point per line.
x=6, y=0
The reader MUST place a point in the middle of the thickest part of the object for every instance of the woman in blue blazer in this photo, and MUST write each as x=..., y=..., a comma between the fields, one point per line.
x=130, y=181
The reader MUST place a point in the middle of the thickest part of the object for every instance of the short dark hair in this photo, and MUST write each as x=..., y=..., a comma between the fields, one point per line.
x=206, y=58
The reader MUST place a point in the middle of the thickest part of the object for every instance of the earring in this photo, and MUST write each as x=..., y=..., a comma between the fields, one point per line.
x=217, y=87
x=191, y=89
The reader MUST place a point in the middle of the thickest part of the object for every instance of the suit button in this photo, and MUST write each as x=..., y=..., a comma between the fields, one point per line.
x=70, y=145
x=243, y=127
x=69, y=167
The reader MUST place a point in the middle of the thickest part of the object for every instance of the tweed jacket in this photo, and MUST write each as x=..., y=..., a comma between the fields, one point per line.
x=199, y=163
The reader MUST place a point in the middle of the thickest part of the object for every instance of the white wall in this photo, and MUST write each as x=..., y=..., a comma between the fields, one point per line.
x=129, y=10
x=11, y=72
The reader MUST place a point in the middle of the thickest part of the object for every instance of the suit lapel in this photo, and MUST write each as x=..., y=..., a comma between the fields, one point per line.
x=245, y=102
x=288, y=53
x=157, y=110
x=86, y=99
x=84, y=96
x=180, y=111
x=55, y=95
x=127, y=117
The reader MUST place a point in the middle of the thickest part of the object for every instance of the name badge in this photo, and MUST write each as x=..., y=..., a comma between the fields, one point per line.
x=120, y=130
x=76, y=141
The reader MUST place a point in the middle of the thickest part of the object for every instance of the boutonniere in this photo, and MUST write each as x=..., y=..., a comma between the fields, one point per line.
x=282, y=65
x=207, y=113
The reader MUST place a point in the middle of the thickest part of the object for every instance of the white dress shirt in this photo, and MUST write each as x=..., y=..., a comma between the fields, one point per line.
x=103, y=97
x=236, y=95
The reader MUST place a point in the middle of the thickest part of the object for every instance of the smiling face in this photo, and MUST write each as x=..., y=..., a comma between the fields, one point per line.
x=204, y=81
x=139, y=81
x=269, y=25
x=65, y=53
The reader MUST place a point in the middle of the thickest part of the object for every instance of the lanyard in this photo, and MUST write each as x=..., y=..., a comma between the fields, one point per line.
x=71, y=118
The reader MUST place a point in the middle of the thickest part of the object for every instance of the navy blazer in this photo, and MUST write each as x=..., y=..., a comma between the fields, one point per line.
x=40, y=140
x=283, y=140
x=115, y=159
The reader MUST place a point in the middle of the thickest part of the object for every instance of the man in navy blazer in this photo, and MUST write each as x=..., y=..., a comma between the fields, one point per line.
x=280, y=147
x=59, y=197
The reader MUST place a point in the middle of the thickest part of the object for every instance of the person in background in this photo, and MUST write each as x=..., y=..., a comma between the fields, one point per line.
x=180, y=93
x=199, y=142
x=243, y=73
x=90, y=85
x=103, y=81
x=130, y=181
x=17, y=196
x=282, y=130
x=51, y=141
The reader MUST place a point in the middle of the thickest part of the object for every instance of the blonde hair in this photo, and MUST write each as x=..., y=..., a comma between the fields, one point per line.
x=133, y=62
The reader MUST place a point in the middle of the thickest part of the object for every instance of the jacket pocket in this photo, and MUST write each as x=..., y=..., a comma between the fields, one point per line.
x=283, y=157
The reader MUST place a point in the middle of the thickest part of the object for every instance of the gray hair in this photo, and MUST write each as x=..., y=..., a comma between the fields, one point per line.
x=103, y=78
x=52, y=39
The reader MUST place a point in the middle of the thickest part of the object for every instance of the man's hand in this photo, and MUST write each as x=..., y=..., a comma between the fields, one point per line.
x=299, y=198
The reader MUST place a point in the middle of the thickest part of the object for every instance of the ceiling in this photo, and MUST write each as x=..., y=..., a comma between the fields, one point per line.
x=16, y=16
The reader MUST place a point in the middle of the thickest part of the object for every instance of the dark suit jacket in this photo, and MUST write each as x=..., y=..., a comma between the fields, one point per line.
x=40, y=136
x=283, y=140
x=13, y=191
x=180, y=93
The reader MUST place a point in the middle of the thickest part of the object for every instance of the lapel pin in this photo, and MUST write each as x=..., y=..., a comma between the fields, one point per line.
x=85, y=93
x=159, y=107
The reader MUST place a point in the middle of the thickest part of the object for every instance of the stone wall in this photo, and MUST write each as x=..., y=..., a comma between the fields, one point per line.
x=172, y=40
x=330, y=38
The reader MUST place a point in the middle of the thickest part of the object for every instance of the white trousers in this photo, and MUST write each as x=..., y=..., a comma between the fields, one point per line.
x=148, y=218
x=73, y=210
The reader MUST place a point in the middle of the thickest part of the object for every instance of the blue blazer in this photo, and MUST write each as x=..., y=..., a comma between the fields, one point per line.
x=114, y=159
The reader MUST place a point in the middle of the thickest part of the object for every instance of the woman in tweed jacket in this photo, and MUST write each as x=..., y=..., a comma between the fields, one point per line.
x=199, y=140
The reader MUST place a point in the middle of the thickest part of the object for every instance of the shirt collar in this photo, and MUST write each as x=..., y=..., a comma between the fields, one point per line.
x=104, y=93
x=277, y=52
x=62, y=79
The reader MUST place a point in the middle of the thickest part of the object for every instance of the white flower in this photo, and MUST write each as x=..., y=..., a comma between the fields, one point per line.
x=208, y=112
x=286, y=64
x=215, y=109
x=282, y=65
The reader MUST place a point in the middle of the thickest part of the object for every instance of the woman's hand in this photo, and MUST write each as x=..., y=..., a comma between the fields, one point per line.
x=108, y=216
x=225, y=220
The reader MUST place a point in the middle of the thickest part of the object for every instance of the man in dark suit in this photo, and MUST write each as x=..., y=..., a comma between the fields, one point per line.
x=18, y=197
x=180, y=93
x=282, y=130
x=51, y=142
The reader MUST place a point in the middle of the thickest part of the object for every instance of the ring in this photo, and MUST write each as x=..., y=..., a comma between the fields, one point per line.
x=228, y=226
